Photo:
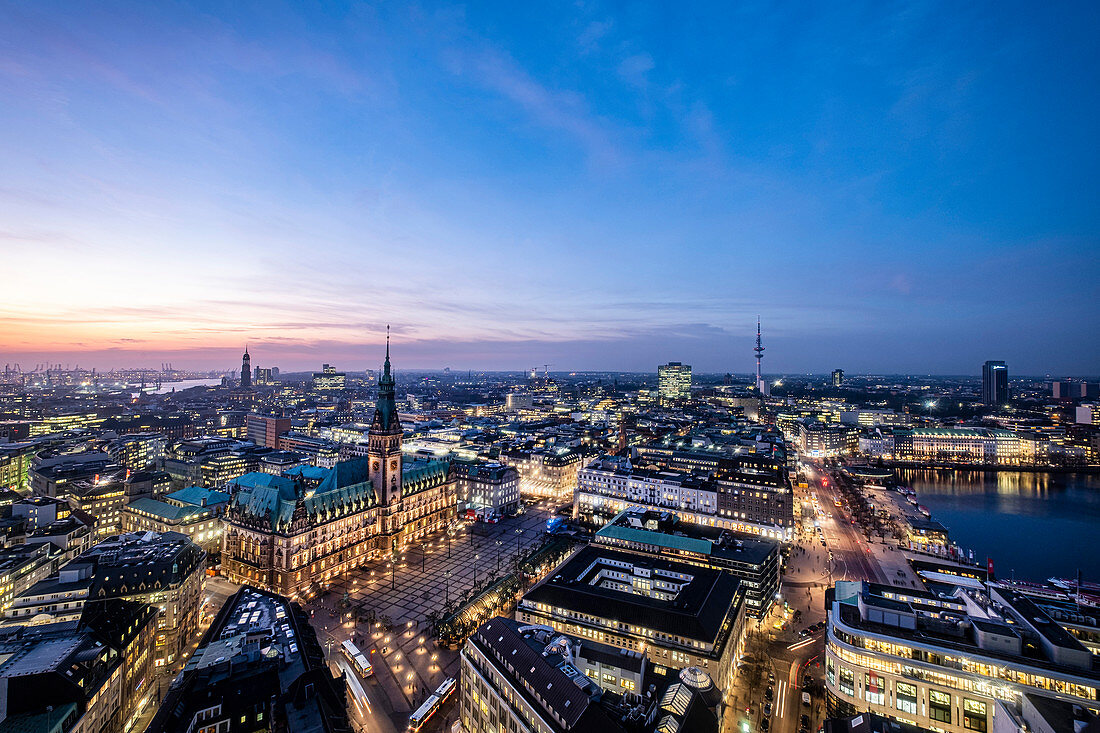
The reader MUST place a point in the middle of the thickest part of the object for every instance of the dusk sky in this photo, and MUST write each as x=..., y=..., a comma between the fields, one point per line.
x=892, y=187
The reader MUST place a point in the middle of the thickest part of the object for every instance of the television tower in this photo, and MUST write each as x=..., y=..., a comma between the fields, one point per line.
x=759, y=349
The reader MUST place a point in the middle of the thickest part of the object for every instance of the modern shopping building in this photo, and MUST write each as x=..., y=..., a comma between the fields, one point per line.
x=681, y=615
x=957, y=660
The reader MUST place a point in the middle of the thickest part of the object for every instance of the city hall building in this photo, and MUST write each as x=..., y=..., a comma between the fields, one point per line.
x=292, y=536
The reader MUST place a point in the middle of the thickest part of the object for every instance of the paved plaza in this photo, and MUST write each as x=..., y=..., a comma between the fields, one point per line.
x=429, y=575
x=408, y=665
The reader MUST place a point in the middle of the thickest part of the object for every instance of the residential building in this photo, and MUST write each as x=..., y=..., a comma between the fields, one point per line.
x=673, y=382
x=164, y=570
x=682, y=615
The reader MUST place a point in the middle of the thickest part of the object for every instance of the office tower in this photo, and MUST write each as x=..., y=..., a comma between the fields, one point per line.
x=838, y=377
x=266, y=429
x=329, y=379
x=994, y=383
x=674, y=382
x=246, y=370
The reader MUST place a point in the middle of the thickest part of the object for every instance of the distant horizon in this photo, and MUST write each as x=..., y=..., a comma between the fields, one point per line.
x=398, y=368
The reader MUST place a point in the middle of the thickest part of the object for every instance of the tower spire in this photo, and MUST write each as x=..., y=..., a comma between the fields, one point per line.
x=759, y=349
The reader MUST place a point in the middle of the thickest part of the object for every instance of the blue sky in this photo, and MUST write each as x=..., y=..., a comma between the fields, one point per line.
x=892, y=187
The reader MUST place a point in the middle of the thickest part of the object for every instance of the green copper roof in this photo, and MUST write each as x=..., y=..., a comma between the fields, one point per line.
x=417, y=476
x=658, y=539
x=167, y=512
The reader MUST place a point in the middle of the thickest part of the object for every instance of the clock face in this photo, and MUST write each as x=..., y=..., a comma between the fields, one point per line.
x=375, y=467
x=393, y=465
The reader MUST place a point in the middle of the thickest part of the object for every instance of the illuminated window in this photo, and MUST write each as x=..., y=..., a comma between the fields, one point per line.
x=907, y=697
x=939, y=706
x=847, y=681
x=974, y=715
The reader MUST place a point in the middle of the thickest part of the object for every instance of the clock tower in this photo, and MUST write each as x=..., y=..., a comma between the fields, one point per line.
x=384, y=440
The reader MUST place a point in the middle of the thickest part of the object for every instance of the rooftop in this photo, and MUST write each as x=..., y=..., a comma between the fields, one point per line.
x=695, y=606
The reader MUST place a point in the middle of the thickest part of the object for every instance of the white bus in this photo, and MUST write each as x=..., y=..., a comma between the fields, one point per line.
x=437, y=698
x=357, y=658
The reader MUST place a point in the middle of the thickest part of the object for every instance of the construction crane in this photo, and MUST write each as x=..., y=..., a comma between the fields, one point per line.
x=546, y=371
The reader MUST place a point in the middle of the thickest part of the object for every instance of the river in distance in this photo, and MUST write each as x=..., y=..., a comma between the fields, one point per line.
x=1039, y=525
x=166, y=387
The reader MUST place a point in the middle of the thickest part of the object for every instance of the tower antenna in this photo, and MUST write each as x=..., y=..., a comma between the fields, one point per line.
x=759, y=349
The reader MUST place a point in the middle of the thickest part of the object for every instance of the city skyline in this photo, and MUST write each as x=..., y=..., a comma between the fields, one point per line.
x=596, y=189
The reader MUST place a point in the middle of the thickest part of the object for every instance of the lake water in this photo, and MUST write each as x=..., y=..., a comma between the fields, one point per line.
x=1038, y=524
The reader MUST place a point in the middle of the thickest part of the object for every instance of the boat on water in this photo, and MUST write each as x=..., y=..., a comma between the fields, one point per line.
x=1070, y=584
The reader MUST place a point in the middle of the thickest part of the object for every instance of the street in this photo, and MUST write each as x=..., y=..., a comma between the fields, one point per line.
x=780, y=663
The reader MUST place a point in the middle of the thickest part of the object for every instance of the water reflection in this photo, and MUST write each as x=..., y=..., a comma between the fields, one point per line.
x=1039, y=524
